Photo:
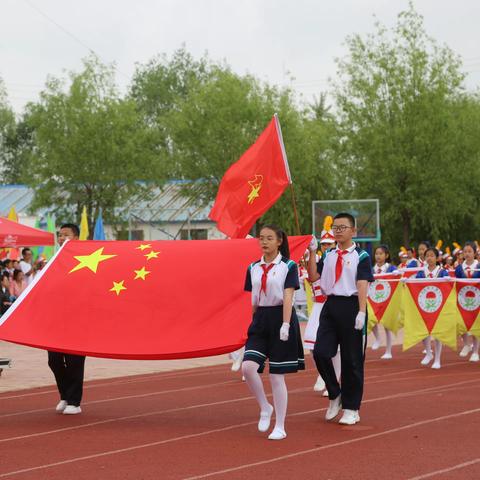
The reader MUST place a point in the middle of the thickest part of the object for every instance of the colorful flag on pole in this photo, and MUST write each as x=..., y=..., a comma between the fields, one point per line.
x=13, y=253
x=468, y=305
x=252, y=184
x=121, y=299
x=99, y=233
x=84, y=231
x=430, y=309
x=384, y=299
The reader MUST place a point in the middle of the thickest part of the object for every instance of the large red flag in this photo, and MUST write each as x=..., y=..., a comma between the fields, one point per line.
x=155, y=300
x=252, y=184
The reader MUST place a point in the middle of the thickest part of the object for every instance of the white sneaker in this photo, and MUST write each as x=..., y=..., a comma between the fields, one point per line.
x=349, y=417
x=474, y=357
x=333, y=408
x=319, y=385
x=375, y=345
x=436, y=365
x=264, y=421
x=427, y=359
x=465, y=350
x=61, y=405
x=277, y=434
x=386, y=356
x=72, y=410
x=237, y=363
x=325, y=393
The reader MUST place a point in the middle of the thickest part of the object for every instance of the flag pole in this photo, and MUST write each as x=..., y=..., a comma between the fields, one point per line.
x=287, y=169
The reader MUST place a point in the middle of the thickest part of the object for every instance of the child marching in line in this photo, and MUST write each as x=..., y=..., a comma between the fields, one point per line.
x=274, y=333
x=470, y=268
x=382, y=266
x=327, y=241
x=403, y=258
x=344, y=274
x=422, y=249
x=432, y=270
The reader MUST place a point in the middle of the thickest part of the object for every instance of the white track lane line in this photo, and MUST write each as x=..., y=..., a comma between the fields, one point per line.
x=240, y=425
x=446, y=470
x=222, y=402
x=337, y=444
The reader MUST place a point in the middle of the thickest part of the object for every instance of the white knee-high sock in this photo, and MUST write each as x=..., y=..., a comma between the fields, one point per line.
x=337, y=365
x=388, y=338
x=255, y=384
x=280, y=399
x=376, y=333
x=476, y=344
x=427, y=344
x=438, y=351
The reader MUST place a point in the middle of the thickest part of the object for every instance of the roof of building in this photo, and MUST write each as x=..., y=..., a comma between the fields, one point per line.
x=167, y=204
x=18, y=196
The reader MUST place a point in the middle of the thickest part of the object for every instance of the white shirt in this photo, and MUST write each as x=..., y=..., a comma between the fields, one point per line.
x=356, y=266
x=25, y=267
x=284, y=274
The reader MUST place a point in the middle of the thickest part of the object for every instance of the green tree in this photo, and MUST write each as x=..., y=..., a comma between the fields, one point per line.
x=400, y=111
x=8, y=134
x=206, y=116
x=91, y=147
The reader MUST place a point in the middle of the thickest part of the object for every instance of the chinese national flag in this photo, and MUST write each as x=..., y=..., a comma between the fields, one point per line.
x=252, y=184
x=122, y=299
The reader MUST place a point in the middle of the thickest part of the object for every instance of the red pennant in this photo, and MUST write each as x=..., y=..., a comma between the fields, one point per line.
x=468, y=302
x=380, y=293
x=430, y=297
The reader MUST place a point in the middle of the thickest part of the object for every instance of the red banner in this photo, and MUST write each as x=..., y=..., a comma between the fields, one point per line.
x=430, y=299
x=140, y=300
x=380, y=293
x=252, y=184
x=468, y=301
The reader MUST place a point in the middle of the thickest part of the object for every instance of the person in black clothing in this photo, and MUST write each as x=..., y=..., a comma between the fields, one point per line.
x=68, y=369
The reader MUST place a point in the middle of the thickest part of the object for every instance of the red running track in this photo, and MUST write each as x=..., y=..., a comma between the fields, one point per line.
x=417, y=423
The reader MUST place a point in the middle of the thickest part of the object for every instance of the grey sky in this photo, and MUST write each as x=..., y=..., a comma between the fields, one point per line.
x=264, y=37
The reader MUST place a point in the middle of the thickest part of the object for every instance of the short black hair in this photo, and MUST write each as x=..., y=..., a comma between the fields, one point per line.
x=25, y=250
x=73, y=227
x=346, y=215
x=3, y=275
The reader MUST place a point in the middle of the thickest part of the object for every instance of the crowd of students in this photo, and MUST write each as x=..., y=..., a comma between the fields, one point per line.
x=16, y=275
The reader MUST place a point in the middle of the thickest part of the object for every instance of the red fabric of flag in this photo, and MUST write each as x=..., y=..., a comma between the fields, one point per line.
x=134, y=300
x=252, y=184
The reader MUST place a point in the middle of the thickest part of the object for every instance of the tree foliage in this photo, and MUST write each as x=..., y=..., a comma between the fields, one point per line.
x=91, y=147
x=206, y=116
x=402, y=117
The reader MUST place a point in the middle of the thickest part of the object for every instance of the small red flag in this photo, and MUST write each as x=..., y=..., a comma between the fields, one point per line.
x=252, y=184
x=140, y=300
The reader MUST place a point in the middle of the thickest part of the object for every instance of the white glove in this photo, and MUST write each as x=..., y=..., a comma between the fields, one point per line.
x=284, y=331
x=360, y=320
x=313, y=245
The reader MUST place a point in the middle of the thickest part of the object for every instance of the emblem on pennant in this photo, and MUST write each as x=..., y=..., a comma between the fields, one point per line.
x=430, y=299
x=469, y=298
x=379, y=291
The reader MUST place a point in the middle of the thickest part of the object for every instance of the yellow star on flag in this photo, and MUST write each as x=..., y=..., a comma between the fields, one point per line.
x=90, y=261
x=142, y=273
x=143, y=247
x=118, y=287
x=152, y=254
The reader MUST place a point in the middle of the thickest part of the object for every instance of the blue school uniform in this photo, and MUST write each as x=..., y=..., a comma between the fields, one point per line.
x=437, y=272
x=468, y=271
x=263, y=340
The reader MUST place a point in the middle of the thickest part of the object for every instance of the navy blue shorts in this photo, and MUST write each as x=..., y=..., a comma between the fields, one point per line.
x=264, y=342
